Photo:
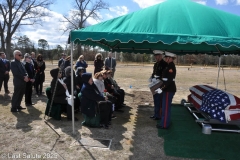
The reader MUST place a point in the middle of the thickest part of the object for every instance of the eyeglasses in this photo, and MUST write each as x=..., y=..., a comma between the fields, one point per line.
x=19, y=55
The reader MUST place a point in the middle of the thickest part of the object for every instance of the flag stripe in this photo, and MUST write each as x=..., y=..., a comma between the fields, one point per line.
x=217, y=103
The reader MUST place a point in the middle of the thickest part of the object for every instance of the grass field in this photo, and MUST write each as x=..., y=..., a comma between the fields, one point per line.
x=133, y=133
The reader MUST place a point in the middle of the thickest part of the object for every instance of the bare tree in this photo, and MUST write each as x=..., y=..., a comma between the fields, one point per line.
x=16, y=13
x=82, y=10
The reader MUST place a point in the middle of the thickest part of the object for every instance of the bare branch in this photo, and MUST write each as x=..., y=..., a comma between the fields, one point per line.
x=84, y=9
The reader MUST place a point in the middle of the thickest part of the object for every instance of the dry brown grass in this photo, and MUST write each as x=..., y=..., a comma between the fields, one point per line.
x=133, y=134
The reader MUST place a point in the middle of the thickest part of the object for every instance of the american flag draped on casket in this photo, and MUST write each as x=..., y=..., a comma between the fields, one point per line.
x=216, y=103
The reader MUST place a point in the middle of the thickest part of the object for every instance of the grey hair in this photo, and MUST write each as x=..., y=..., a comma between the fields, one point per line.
x=16, y=51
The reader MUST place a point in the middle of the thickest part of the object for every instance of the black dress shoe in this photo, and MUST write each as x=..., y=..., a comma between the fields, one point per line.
x=160, y=127
x=20, y=107
x=155, y=118
x=15, y=110
x=105, y=126
x=152, y=116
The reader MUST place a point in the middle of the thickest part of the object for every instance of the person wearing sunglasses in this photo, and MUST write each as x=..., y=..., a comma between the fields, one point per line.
x=4, y=72
x=20, y=77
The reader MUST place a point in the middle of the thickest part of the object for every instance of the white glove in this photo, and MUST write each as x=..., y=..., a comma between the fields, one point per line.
x=154, y=80
x=158, y=91
x=69, y=100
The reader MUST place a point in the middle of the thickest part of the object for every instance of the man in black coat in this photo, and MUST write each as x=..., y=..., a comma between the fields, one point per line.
x=110, y=63
x=20, y=77
x=31, y=76
x=61, y=61
x=4, y=72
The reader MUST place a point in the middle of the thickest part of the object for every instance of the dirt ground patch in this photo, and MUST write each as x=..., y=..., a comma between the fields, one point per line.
x=133, y=133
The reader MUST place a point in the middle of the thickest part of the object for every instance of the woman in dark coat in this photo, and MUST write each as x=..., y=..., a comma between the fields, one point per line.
x=31, y=75
x=91, y=99
x=98, y=63
x=59, y=96
x=40, y=74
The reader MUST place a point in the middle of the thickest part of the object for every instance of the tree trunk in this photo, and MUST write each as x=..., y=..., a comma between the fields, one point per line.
x=8, y=48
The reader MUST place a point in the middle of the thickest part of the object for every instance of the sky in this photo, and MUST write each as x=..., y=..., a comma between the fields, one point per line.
x=51, y=28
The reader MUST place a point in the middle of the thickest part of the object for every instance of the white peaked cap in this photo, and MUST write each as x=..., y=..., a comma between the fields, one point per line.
x=169, y=54
x=158, y=52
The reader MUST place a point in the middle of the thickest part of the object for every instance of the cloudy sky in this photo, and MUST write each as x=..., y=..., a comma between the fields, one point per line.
x=50, y=29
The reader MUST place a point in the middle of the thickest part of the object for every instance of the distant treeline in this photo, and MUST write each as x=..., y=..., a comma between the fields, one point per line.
x=89, y=54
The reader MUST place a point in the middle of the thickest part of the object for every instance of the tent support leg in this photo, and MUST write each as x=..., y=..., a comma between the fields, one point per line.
x=72, y=88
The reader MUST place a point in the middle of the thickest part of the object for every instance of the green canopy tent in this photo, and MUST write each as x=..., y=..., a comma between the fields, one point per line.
x=178, y=26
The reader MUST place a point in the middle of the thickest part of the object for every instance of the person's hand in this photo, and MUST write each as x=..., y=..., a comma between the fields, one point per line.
x=6, y=72
x=26, y=78
x=32, y=80
x=112, y=87
x=77, y=87
x=106, y=98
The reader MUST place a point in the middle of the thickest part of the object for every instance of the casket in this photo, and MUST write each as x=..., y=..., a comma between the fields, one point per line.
x=217, y=103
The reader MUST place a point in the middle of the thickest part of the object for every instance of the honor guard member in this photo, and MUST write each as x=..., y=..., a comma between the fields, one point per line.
x=158, y=68
x=168, y=89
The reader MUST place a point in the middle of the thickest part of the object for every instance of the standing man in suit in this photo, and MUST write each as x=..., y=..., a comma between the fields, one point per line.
x=61, y=61
x=20, y=77
x=33, y=59
x=4, y=72
x=110, y=63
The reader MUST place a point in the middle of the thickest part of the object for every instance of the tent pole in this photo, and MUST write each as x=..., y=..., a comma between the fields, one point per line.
x=72, y=96
x=219, y=64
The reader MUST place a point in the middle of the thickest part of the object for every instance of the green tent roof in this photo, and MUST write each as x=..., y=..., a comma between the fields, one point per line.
x=179, y=26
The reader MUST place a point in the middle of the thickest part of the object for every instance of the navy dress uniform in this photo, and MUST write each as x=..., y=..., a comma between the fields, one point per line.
x=168, y=91
x=158, y=68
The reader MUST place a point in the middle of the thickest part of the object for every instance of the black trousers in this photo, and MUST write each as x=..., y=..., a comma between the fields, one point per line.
x=4, y=80
x=105, y=109
x=122, y=95
x=28, y=93
x=19, y=91
x=38, y=87
x=65, y=107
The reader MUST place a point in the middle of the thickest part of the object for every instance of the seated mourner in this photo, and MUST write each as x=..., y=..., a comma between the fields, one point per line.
x=59, y=96
x=67, y=81
x=94, y=104
x=110, y=89
x=117, y=89
x=78, y=78
x=78, y=83
x=98, y=81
